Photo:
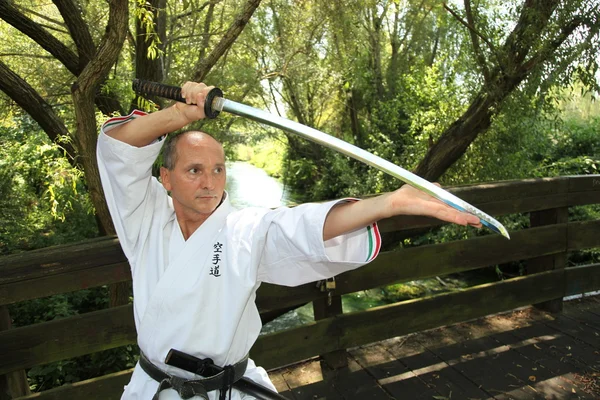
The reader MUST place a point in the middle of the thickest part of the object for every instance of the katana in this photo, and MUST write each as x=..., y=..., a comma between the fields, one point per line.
x=215, y=103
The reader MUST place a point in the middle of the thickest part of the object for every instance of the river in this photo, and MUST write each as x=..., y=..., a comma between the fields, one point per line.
x=249, y=186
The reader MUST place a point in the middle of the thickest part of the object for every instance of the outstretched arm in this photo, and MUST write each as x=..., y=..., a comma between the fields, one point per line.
x=407, y=200
x=143, y=131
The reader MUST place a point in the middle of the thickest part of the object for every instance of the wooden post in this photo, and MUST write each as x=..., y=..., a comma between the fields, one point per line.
x=550, y=262
x=14, y=384
x=329, y=307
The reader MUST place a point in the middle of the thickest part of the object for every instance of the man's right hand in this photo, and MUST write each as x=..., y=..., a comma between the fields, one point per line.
x=144, y=130
x=195, y=96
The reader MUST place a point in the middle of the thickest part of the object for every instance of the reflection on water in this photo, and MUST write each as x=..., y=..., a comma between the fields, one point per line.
x=249, y=186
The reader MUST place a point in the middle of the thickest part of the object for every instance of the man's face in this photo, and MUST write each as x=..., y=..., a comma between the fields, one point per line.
x=197, y=181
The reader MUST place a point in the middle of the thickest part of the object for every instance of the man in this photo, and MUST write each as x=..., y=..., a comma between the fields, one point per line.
x=197, y=263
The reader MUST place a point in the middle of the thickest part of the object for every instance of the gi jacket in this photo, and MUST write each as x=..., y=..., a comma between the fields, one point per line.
x=198, y=296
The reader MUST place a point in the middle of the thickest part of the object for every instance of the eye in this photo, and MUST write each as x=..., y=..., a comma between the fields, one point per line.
x=219, y=170
x=193, y=170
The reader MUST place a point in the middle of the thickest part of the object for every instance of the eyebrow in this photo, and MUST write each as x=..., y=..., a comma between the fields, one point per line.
x=200, y=165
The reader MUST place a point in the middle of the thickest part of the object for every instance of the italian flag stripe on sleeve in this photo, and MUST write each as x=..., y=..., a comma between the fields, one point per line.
x=374, y=242
x=120, y=120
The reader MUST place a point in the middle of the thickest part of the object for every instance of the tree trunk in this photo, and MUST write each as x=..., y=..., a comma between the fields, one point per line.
x=84, y=91
x=147, y=67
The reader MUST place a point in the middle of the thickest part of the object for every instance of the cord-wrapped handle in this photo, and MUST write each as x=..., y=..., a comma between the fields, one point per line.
x=149, y=88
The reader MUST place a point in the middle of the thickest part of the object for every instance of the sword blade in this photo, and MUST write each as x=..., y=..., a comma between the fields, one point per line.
x=255, y=114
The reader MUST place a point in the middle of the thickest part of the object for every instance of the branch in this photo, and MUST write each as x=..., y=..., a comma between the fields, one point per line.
x=26, y=55
x=48, y=42
x=97, y=69
x=533, y=19
x=206, y=31
x=205, y=65
x=551, y=46
x=78, y=29
x=28, y=99
x=479, y=56
x=42, y=16
x=470, y=28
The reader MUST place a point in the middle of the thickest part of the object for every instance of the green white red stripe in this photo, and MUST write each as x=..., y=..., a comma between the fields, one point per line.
x=374, y=238
x=112, y=122
x=374, y=242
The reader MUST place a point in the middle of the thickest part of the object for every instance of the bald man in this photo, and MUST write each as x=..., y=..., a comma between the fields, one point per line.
x=196, y=262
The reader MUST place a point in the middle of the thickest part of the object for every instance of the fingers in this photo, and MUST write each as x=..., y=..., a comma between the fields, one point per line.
x=195, y=93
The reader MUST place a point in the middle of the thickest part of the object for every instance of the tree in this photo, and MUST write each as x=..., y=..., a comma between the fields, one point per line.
x=547, y=32
x=72, y=25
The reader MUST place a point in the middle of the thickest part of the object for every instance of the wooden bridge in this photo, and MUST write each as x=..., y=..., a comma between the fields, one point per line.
x=431, y=365
x=524, y=354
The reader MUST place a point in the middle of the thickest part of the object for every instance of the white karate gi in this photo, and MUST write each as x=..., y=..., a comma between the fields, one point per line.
x=198, y=295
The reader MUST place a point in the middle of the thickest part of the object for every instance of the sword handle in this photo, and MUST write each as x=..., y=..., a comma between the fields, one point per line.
x=149, y=88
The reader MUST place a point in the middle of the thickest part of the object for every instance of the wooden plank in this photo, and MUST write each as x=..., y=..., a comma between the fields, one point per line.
x=490, y=365
x=51, y=284
x=107, y=387
x=355, y=329
x=280, y=384
x=553, y=352
x=445, y=258
x=552, y=262
x=584, y=198
x=581, y=332
x=307, y=383
x=271, y=297
x=583, y=235
x=496, y=199
x=354, y=382
x=392, y=375
x=326, y=308
x=42, y=343
x=60, y=259
x=511, y=190
x=584, y=183
x=582, y=279
x=12, y=384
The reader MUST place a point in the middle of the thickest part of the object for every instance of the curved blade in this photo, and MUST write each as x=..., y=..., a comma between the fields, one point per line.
x=359, y=154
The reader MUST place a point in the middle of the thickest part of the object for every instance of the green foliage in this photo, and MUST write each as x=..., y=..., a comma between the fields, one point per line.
x=44, y=377
x=44, y=201
x=267, y=154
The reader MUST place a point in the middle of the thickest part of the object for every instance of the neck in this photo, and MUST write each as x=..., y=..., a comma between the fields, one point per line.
x=188, y=227
x=189, y=221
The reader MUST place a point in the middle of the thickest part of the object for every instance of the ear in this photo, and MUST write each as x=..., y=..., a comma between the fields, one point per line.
x=165, y=178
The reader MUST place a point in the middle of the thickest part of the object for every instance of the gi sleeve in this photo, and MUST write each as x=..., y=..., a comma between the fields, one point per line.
x=129, y=188
x=295, y=253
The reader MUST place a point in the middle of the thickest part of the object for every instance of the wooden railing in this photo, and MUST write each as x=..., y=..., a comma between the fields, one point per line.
x=543, y=246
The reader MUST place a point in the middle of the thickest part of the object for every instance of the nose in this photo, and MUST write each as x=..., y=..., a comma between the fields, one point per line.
x=207, y=182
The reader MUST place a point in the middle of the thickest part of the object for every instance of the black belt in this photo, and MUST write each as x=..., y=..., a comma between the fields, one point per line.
x=187, y=388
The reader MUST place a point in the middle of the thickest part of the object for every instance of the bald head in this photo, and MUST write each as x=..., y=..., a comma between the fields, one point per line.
x=189, y=139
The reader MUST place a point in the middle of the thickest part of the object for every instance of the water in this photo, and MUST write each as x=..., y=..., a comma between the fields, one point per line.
x=249, y=186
